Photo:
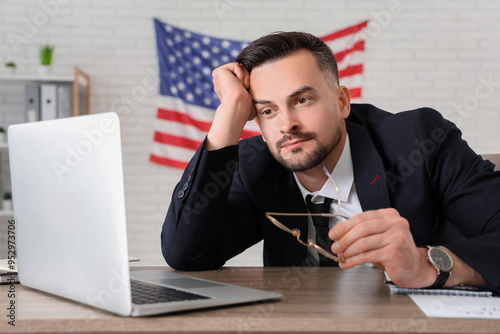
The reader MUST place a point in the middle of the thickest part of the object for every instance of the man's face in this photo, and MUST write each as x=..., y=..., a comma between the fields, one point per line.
x=301, y=113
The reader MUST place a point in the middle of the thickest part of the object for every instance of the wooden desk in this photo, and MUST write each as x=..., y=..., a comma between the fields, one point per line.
x=316, y=300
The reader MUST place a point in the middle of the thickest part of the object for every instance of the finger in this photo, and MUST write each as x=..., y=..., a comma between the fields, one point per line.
x=362, y=245
x=360, y=259
x=360, y=237
x=341, y=229
x=242, y=74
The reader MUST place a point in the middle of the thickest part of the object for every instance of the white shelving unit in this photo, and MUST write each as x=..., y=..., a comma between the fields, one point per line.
x=4, y=149
x=75, y=80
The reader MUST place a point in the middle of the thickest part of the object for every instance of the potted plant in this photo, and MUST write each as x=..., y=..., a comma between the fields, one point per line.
x=7, y=201
x=11, y=67
x=2, y=135
x=46, y=52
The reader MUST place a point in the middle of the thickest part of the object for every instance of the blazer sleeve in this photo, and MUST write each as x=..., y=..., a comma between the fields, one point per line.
x=211, y=218
x=469, y=191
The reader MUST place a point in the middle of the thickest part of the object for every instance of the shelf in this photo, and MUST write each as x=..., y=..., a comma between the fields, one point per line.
x=6, y=213
x=36, y=78
x=75, y=79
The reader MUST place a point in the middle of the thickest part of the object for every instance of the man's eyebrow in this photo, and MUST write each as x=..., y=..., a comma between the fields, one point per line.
x=294, y=94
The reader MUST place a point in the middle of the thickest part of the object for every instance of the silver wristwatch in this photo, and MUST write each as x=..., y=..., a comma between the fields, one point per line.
x=443, y=263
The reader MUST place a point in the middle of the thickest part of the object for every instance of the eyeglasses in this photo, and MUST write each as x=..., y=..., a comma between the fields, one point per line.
x=296, y=232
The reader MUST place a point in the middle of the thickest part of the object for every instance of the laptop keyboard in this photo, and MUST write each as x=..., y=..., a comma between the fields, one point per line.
x=145, y=293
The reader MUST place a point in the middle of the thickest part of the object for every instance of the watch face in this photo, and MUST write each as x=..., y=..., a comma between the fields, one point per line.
x=440, y=259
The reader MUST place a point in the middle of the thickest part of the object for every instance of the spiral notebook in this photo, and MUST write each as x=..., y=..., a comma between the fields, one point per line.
x=471, y=291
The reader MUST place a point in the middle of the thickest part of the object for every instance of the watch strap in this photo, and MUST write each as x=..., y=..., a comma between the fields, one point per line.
x=441, y=280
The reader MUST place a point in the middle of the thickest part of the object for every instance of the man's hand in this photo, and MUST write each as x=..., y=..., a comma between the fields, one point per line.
x=231, y=83
x=383, y=237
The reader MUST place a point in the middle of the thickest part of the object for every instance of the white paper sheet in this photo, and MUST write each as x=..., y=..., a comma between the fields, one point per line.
x=458, y=306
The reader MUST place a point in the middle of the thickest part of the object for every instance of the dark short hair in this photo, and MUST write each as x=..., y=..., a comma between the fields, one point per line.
x=278, y=45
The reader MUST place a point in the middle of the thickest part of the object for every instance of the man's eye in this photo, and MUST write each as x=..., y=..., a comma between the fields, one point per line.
x=302, y=100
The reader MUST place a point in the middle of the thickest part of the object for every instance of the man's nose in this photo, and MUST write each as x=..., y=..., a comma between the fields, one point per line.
x=289, y=121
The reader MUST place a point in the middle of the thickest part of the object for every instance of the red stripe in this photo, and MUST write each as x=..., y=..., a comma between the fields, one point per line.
x=345, y=32
x=180, y=117
x=249, y=133
x=175, y=116
x=351, y=70
x=359, y=46
x=166, y=138
x=355, y=92
x=168, y=162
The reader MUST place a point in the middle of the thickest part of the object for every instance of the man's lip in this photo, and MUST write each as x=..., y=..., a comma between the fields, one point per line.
x=293, y=143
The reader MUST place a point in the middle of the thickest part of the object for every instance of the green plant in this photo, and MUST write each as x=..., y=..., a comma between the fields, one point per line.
x=2, y=129
x=10, y=64
x=46, y=54
x=7, y=195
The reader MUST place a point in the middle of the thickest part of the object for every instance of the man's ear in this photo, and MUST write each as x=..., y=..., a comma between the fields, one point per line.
x=344, y=96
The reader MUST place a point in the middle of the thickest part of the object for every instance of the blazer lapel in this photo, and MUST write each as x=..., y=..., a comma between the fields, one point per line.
x=369, y=172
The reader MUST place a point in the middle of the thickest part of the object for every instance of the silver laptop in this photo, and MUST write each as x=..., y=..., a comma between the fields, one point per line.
x=71, y=236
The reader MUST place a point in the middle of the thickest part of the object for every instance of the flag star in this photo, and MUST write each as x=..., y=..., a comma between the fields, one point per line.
x=180, y=69
x=206, y=40
x=205, y=54
x=189, y=80
x=189, y=97
x=206, y=70
x=196, y=60
x=168, y=28
x=172, y=59
x=196, y=44
x=244, y=45
x=187, y=34
x=225, y=58
x=187, y=50
x=215, y=63
x=181, y=86
x=169, y=42
x=207, y=101
x=225, y=44
x=207, y=85
x=178, y=38
x=215, y=49
x=234, y=53
x=197, y=75
x=173, y=90
x=173, y=75
x=198, y=91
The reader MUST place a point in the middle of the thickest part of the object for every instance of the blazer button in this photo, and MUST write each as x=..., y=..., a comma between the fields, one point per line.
x=185, y=186
x=180, y=194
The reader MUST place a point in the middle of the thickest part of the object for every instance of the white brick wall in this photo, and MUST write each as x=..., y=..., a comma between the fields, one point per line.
x=419, y=53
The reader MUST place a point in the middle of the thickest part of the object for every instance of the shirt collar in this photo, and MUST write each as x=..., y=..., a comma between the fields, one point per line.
x=342, y=174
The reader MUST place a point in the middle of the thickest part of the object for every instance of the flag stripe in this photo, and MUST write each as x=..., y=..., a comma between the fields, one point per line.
x=359, y=46
x=345, y=32
x=351, y=70
x=180, y=117
x=168, y=162
x=166, y=138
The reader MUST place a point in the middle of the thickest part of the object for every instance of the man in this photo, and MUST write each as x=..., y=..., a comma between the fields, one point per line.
x=407, y=180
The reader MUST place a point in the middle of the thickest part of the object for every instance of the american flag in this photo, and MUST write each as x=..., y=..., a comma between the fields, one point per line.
x=187, y=101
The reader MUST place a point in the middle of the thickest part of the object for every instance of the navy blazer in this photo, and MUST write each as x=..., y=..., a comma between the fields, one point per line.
x=413, y=161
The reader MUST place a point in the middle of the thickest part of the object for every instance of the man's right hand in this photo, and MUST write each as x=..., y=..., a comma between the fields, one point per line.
x=231, y=83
